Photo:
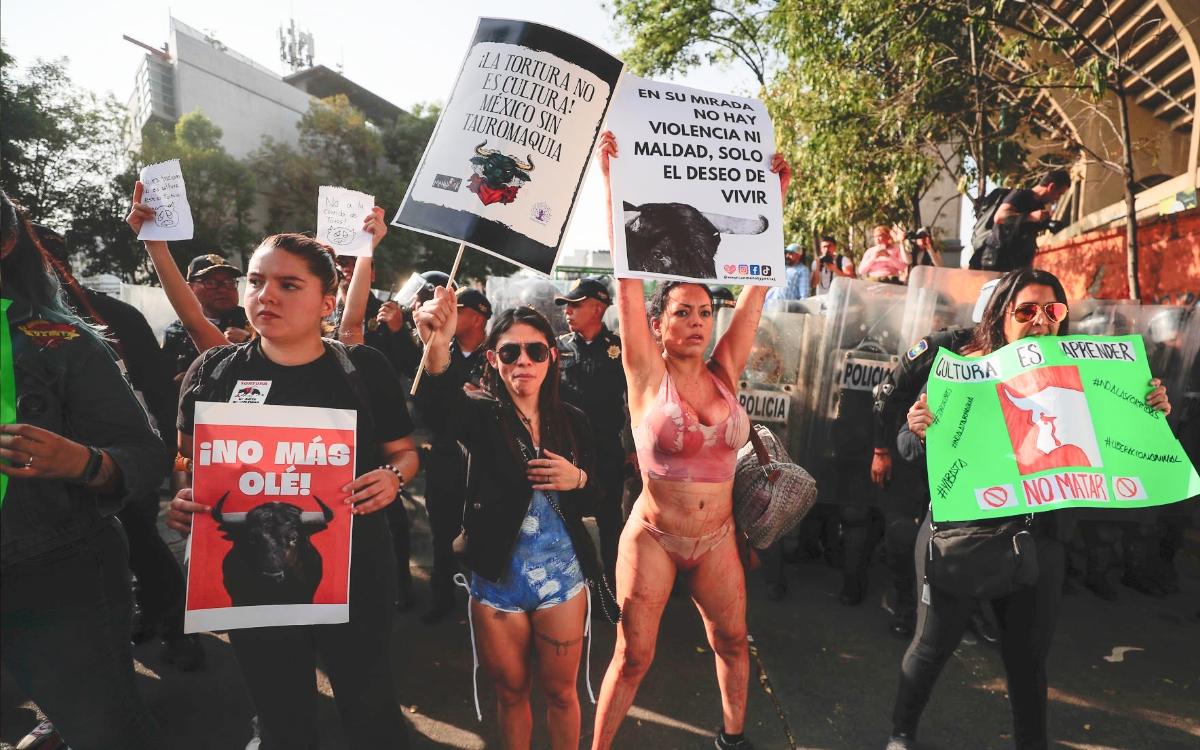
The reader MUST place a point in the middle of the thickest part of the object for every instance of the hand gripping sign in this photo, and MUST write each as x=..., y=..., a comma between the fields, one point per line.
x=1048, y=423
x=505, y=164
x=276, y=548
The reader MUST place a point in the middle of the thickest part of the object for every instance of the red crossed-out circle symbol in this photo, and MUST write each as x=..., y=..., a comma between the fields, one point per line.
x=1126, y=487
x=997, y=497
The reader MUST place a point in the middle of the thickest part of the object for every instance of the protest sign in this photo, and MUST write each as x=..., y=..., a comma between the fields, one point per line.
x=1048, y=423
x=163, y=190
x=340, y=217
x=505, y=164
x=276, y=548
x=692, y=192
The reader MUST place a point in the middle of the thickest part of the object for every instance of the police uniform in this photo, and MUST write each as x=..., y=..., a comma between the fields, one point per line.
x=177, y=344
x=592, y=378
x=906, y=497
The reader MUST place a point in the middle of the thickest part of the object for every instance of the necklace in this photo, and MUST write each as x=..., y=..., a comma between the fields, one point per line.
x=522, y=417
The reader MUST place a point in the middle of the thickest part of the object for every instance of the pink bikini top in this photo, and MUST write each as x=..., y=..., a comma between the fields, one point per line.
x=673, y=445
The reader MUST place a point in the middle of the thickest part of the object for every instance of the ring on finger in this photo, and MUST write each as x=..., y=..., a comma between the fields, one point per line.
x=29, y=463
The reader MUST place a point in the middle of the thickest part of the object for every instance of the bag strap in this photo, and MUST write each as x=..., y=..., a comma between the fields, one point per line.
x=760, y=448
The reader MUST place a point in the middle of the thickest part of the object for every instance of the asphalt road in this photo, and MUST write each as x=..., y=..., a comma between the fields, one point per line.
x=822, y=676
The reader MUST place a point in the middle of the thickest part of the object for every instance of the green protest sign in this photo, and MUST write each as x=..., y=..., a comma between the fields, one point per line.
x=1047, y=423
x=8, y=388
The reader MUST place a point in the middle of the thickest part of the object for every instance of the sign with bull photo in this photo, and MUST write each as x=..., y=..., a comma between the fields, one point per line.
x=276, y=548
x=1048, y=423
x=692, y=192
x=506, y=162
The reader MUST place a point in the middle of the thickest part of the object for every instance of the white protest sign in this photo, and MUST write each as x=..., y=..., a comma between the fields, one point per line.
x=692, y=192
x=504, y=167
x=163, y=191
x=340, y=217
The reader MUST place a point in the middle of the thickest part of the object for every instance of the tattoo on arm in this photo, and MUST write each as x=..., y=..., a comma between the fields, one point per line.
x=560, y=647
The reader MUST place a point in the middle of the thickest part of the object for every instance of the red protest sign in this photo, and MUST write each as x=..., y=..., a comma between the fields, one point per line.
x=276, y=548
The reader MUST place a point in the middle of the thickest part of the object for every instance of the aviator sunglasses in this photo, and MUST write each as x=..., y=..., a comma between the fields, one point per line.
x=1056, y=312
x=510, y=353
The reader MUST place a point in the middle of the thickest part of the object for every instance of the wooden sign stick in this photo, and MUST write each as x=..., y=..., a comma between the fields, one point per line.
x=425, y=353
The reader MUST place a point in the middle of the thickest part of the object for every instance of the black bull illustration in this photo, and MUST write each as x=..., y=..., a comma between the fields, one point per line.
x=494, y=174
x=675, y=238
x=273, y=560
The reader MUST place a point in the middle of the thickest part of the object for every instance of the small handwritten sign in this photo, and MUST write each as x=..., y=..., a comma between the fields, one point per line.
x=165, y=193
x=340, y=217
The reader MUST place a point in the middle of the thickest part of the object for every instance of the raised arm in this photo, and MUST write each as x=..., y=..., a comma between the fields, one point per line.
x=733, y=349
x=639, y=351
x=203, y=333
x=350, y=329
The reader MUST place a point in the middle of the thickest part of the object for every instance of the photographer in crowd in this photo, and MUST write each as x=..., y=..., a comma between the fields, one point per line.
x=828, y=264
x=1022, y=216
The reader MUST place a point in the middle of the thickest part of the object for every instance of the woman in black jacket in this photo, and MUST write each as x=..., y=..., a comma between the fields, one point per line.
x=528, y=486
x=1026, y=302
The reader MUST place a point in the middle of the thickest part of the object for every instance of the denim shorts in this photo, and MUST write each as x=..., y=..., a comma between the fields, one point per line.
x=543, y=571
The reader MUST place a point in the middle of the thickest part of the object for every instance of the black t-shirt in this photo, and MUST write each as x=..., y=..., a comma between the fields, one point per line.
x=321, y=383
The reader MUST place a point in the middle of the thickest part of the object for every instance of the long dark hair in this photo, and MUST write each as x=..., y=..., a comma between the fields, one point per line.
x=26, y=270
x=658, y=300
x=989, y=333
x=556, y=430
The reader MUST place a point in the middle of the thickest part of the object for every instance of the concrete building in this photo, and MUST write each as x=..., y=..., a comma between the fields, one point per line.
x=245, y=99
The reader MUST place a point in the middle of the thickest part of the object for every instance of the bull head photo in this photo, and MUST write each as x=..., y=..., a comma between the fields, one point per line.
x=497, y=176
x=677, y=239
x=273, y=560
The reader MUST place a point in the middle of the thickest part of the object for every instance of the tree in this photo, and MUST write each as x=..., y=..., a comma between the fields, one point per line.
x=58, y=143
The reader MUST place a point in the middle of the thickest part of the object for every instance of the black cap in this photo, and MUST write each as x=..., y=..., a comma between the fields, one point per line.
x=585, y=288
x=922, y=232
x=202, y=264
x=474, y=300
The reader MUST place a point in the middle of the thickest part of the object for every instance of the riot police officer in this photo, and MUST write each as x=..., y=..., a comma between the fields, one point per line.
x=445, y=467
x=592, y=379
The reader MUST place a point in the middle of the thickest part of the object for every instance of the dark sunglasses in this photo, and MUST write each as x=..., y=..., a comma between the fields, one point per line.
x=1056, y=312
x=510, y=353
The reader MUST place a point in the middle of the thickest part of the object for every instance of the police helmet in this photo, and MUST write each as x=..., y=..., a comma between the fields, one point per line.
x=722, y=296
x=1105, y=321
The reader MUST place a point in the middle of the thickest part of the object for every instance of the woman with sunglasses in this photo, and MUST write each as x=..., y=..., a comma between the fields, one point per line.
x=528, y=483
x=1026, y=302
x=688, y=428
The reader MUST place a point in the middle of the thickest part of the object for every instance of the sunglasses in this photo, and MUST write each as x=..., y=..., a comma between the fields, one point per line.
x=510, y=353
x=1056, y=312
x=219, y=283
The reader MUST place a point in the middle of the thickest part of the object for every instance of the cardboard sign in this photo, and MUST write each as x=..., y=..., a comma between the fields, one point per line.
x=340, y=217
x=1048, y=423
x=506, y=162
x=276, y=548
x=692, y=192
x=164, y=191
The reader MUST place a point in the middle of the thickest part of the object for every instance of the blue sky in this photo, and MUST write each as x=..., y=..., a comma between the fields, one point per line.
x=406, y=52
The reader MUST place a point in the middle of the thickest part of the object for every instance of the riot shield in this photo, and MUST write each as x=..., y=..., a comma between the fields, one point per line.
x=938, y=298
x=860, y=345
x=783, y=355
x=506, y=292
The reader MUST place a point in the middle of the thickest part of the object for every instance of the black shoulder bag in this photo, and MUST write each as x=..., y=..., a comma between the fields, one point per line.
x=982, y=562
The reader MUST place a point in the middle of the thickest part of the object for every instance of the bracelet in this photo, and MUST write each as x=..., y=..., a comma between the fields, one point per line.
x=182, y=463
x=881, y=451
x=395, y=471
x=92, y=469
x=579, y=484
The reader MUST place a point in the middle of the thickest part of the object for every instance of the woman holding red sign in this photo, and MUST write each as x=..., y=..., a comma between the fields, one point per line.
x=1026, y=302
x=291, y=289
x=529, y=485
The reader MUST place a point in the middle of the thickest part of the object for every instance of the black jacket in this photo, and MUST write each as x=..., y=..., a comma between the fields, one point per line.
x=498, y=493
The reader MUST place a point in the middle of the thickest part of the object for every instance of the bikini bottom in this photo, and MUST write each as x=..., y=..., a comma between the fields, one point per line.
x=686, y=551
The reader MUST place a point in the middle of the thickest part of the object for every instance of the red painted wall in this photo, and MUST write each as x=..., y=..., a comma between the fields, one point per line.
x=1093, y=264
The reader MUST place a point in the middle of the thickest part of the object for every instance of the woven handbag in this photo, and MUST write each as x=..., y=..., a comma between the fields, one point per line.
x=771, y=495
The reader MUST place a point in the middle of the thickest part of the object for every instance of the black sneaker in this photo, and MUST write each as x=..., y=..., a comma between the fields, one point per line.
x=853, y=591
x=185, y=652
x=724, y=744
x=901, y=741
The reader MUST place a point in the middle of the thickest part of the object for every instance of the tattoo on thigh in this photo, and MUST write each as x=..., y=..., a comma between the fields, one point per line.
x=560, y=647
x=499, y=615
